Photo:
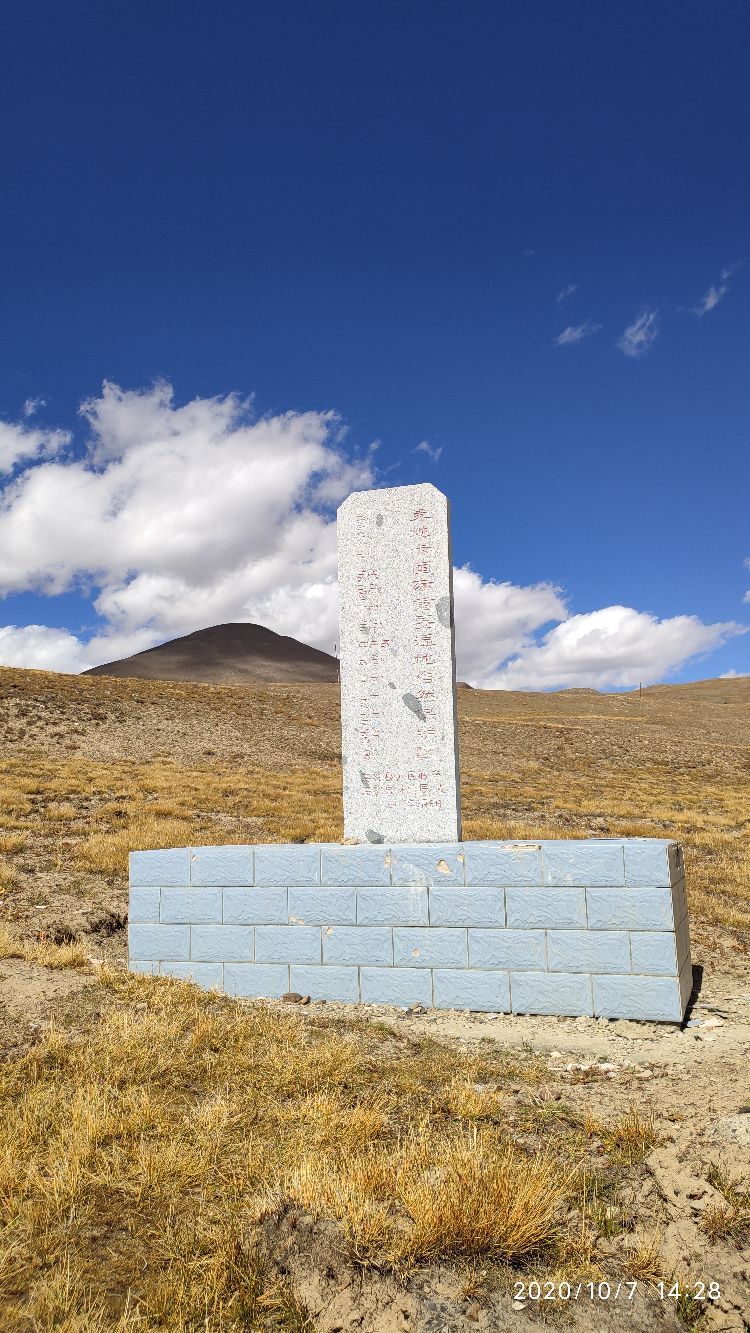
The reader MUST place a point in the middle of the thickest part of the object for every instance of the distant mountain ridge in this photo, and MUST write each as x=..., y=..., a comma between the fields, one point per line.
x=233, y=654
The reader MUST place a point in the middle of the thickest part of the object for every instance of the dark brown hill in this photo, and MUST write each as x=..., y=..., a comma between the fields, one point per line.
x=227, y=655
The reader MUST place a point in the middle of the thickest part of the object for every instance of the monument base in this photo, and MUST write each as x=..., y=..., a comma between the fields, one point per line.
x=597, y=927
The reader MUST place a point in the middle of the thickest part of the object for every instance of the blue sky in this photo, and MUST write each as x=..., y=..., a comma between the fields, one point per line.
x=391, y=213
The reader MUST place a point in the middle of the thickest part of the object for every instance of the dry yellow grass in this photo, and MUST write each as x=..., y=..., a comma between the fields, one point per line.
x=178, y=1128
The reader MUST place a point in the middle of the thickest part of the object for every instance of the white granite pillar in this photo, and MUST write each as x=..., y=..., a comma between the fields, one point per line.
x=398, y=672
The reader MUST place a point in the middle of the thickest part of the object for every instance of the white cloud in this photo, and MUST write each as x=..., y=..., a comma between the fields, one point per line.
x=32, y=405
x=716, y=292
x=640, y=336
x=566, y=291
x=496, y=620
x=178, y=517
x=575, y=333
x=433, y=451
x=734, y=675
x=21, y=444
x=616, y=646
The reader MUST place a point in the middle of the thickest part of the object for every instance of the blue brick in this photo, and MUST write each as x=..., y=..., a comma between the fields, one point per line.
x=523, y=949
x=287, y=944
x=429, y=947
x=588, y=951
x=529, y=909
x=683, y=942
x=459, y=989
x=392, y=907
x=254, y=981
x=148, y=969
x=218, y=944
x=160, y=869
x=209, y=976
x=503, y=864
x=550, y=993
x=396, y=985
x=221, y=866
x=323, y=907
x=191, y=905
x=653, y=952
x=653, y=998
x=348, y=867
x=149, y=942
x=467, y=907
x=629, y=909
x=327, y=983
x=427, y=863
x=646, y=862
x=582, y=862
x=358, y=944
x=287, y=865
x=262, y=907
x=144, y=904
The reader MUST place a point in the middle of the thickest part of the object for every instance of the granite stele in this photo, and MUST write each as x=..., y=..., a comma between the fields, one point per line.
x=403, y=911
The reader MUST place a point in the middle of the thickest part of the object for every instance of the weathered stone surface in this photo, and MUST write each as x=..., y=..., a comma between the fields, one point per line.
x=398, y=679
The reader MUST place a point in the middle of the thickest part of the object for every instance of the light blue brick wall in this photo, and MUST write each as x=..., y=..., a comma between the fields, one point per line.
x=503, y=864
x=358, y=944
x=218, y=944
x=433, y=946
x=392, y=907
x=144, y=904
x=160, y=869
x=458, y=988
x=427, y=864
x=348, y=867
x=467, y=907
x=653, y=951
x=650, y=998
x=255, y=980
x=550, y=993
x=220, y=867
x=629, y=909
x=558, y=909
x=151, y=943
x=588, y=951
x=524, y=950
x=210, y=976
x=287, y=865
x=390, y=985
x=570, y=927
x=287, y=944
x=583, y=863
x=255, y=907
x=323, y=907
x=327, y=983
x=191, y=905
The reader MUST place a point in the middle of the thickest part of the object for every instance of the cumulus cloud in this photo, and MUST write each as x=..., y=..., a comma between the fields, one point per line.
x=613, y=647
x=171, y=518
x=21, y=444
x=566, y=291
x=640, y=336
x=433, y=452
x=32, y=405
x=734, y=675
x=575, y=333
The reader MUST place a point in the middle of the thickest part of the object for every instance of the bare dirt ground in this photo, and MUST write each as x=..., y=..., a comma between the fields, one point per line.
x=93, y=766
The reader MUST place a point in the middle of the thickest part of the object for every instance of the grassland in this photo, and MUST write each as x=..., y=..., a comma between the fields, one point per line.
x=180, y=1161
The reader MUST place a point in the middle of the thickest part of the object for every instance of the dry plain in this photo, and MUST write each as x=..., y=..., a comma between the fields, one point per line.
x=173, y=1160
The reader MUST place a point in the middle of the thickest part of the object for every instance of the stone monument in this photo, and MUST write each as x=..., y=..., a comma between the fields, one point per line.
x=404, y=911
x=398, y=667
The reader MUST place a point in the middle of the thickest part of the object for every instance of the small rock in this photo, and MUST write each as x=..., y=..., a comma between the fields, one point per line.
x=417, y=1009
x=713, y=1022
x=733, y=1129
x=519, y=1305
x=555, y=1055
x=305, y=999
x=293, y=997
x=473, y=1311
